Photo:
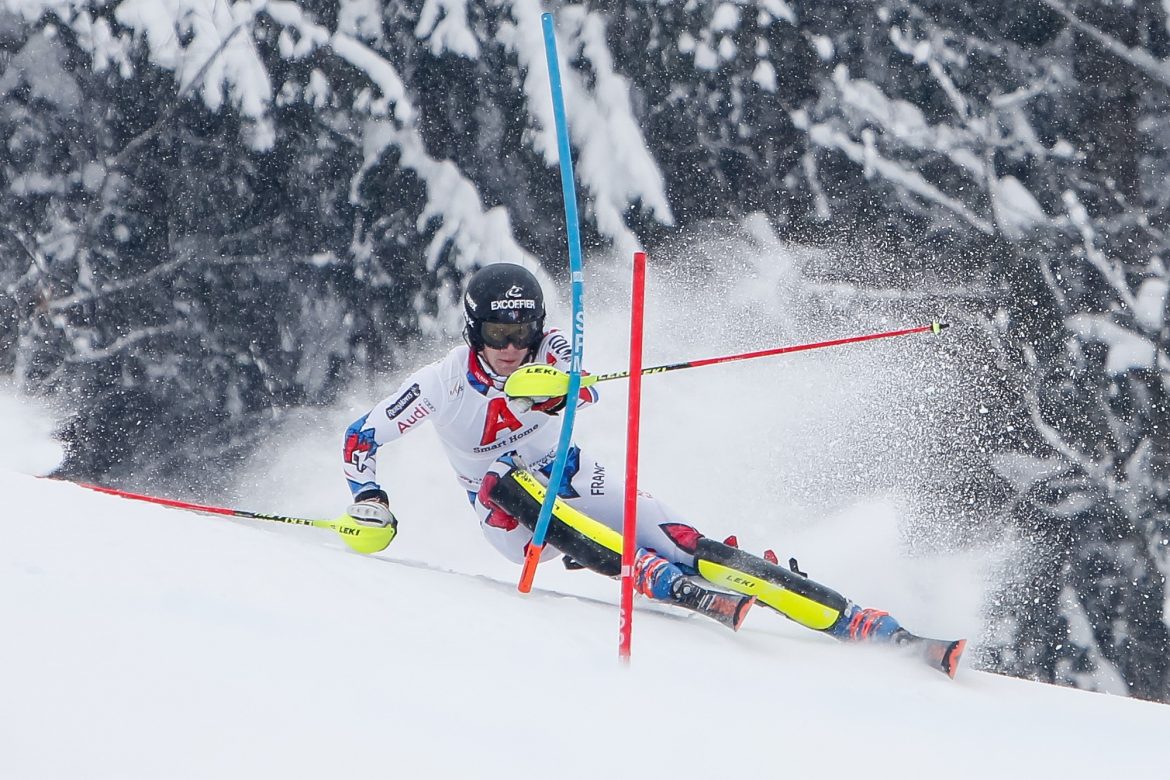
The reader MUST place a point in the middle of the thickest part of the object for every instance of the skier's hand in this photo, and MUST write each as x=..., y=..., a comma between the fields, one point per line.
x=522, y=404
x=372, y=508
x=550, y=406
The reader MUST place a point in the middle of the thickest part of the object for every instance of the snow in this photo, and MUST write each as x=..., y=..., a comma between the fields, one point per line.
x=38, y=65
x=765, y=75
x=360, y=18
x=1108, y=267
x=148, y=642
x=444, y=22
x=904, y=122
x=1024, y=471
x=27, y=444
x=825, y=136
x=380, y=71
x=107, y=48
x=726, y=17
x=212, y=48
x=705, y=57
x=33, y=9
x=614, y=164
x=1105, y=677
x=1127, y=350
x=727, y=48
x=160, y=643
x=779, y=10
x=480, y=235
x=1016, y=209
x=309, y=36
x=824, y=47
x=221, y=54
x=1150, y=310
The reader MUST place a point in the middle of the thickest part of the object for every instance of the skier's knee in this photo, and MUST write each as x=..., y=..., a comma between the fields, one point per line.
x=513, y=495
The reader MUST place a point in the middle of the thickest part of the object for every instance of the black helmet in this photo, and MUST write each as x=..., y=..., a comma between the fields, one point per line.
x=503, y=303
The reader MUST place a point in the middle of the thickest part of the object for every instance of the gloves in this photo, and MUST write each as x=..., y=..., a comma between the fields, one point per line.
x=522, y=404
x=550, y=406
x=372, y=508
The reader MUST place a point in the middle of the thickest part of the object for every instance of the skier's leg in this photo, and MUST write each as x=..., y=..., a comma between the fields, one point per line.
x=793, y=595
x=815, y=606
x=514, y=495
x=505, y=533
x=508, y=504
x=589, y=487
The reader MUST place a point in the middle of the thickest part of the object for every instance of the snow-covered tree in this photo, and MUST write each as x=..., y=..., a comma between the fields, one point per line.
x=1021, y=149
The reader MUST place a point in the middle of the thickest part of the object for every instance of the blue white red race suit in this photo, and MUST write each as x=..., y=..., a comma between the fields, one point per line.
x=477, y=425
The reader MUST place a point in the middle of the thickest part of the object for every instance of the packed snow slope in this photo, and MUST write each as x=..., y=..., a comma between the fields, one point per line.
x=144, y=642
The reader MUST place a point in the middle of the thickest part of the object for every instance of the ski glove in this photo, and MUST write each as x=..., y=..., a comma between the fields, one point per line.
x=551, y=406
x=372, y=508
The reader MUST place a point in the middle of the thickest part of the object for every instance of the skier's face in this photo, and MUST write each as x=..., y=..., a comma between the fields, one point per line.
x=505, y=360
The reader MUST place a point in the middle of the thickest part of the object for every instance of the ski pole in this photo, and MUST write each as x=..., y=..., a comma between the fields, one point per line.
x=360, y=538
x=535, y=381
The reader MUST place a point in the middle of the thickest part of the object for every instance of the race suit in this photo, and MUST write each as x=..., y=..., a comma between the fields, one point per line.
x=477, y=426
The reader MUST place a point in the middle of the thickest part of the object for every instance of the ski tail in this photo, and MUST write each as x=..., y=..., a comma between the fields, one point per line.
x=728, y=609
x=950, y=658
x=941, y=654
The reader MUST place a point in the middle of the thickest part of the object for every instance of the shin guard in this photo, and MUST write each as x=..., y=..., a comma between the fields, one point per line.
x=799, y=598
x=588, y=542
x=598, y=547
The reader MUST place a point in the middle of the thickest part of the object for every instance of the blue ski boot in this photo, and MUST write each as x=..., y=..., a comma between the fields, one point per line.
x=873, y=625
x=865, y=625
x=654, y=576
x=661, y=580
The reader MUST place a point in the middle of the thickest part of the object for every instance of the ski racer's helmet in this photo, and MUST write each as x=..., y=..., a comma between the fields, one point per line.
x=503, y=304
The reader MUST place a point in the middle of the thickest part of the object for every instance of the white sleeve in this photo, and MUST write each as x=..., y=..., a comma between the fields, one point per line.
x=417, y=399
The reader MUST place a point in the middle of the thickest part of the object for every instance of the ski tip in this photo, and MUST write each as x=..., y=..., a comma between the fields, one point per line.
x=938, y=327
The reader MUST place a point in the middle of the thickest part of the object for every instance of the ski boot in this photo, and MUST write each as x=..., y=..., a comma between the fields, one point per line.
x=660, y=580
x=858, y=624
x=865, y=625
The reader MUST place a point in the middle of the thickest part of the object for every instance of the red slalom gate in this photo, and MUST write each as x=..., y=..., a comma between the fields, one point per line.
x=630, y=519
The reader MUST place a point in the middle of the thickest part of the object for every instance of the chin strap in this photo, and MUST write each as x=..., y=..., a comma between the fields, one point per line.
x=497, y=380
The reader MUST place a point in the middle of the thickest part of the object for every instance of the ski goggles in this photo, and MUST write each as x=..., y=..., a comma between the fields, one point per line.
x=498, y=335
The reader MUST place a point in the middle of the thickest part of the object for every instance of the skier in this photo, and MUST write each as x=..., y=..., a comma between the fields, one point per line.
x=502, y=450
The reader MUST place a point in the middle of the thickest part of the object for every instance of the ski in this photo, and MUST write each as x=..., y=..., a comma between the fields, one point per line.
x=791, y=593
x=729, y=609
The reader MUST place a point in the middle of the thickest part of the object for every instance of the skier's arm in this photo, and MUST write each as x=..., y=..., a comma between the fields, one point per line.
x=417, y=399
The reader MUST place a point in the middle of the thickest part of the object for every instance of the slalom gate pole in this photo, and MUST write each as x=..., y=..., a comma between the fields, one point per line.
x=577, y=276
x=361, y=538
x=633, y=415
